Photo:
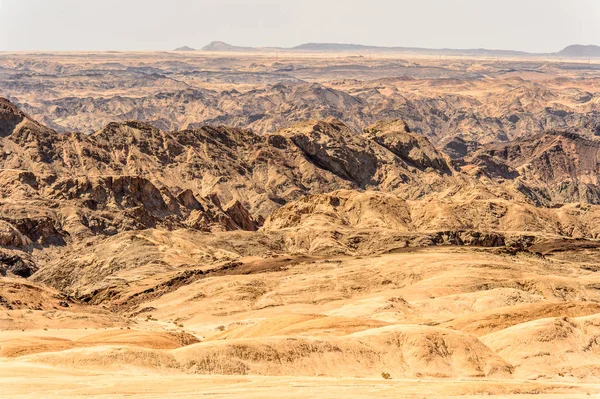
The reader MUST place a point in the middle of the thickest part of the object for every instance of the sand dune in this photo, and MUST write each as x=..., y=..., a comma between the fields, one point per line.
x=551, y=347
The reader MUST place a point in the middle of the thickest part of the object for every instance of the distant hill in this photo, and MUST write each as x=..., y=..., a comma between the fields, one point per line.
x=334, y=47
x=184, y=48
x=341, y=47
x=573, y=51
x=222, y=46
x=349, y=48
x=578, y=50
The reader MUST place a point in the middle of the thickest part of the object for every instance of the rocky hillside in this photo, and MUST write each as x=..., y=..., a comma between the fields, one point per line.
x=68, y=189
x=59, y=189
x=560, y=167
x=184, y=167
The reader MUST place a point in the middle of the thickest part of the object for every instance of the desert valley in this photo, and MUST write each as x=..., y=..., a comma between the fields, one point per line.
x=321, y=222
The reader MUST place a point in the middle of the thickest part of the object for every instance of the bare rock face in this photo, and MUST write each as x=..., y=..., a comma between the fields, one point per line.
x=126, y=176
x=131, y=175
x=240, y=215
x=37, y=226
x=334, y=147
x=116, y=191
x=11, y=236
x=559, y=166
x=16, y=264
x=412, y=148
x=491, y=167
x=10, y=117
x=386, y=158
x=120, y=138
x=15, y=122
x=457, y=147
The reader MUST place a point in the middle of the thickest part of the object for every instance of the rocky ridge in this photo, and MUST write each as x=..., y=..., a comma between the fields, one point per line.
x=320, y=187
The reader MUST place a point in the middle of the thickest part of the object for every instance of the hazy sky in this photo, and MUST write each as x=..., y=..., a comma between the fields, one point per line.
x=530, y=25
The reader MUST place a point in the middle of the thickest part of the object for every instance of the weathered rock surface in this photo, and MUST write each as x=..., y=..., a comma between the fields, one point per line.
x=560, y=167
x=412, y=148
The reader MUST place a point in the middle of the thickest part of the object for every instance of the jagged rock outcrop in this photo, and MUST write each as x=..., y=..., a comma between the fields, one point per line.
x=412, y=148
x=240, y=215
x=16, y=264
x=457, y=147
x=262, y=172
x=559, y=166
x=10, y=236
x=10, y=117
x=132, y=176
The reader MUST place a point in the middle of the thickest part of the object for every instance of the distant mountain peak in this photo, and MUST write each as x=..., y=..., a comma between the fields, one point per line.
x=185, y=48
x=222, y=46
x=580, y=50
